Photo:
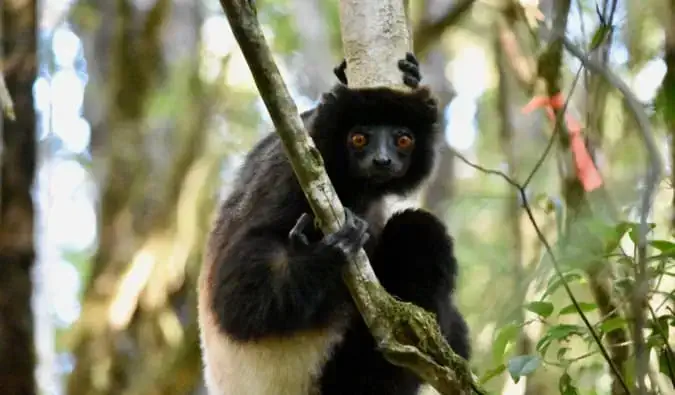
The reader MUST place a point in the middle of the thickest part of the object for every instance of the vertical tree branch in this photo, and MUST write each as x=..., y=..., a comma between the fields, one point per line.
x=600, y=272
x=667, y=96
x=374, y=34
x=440, y=189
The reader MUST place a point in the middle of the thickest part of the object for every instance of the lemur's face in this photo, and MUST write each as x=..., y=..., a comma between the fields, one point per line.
x=379, y=153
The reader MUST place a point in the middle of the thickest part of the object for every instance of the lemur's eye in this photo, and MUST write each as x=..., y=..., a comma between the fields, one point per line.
x=404, y=142
x=358, y=140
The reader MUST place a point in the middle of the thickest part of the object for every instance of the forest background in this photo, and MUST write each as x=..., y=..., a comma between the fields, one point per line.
x=132, y=116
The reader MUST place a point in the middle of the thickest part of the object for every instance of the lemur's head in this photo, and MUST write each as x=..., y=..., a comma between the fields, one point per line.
x=379, y=139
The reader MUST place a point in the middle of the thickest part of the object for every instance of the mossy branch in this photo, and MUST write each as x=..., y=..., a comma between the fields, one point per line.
x=407, y=335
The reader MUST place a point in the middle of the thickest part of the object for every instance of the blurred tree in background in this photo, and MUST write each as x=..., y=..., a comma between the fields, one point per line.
x=142, y=113
x=17, y=211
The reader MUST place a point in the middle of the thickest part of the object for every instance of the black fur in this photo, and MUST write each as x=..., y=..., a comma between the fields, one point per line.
x=414, y=261
x=343, y=108
x=274, y=274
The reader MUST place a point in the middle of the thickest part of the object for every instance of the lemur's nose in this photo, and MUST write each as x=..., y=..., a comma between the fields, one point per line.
x=381, y=161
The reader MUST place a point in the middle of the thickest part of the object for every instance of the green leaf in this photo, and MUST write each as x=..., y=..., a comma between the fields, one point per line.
x=563, y=331
x=561, y=353
x=565, y=385
x=613, y=239
x=600, y=36
x=667, y=363
x=506, y=334
x=543, y=309
x=659, y=329
x=585, y=307
x=492, y=373
x=663, y=245
x=557, y=332
x=543, y=344
x=612, y=324
x=635, y=230
x=556, y=282
x=523, y=365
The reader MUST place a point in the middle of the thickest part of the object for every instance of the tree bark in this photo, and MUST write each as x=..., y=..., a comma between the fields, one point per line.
x=374, y=34
x=17, y=249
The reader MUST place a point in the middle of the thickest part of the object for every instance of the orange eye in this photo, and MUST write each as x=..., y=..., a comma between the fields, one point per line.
x=404, y=142
x=358, y=140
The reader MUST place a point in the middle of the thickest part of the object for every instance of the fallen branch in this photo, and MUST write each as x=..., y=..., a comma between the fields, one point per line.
x=394, y=325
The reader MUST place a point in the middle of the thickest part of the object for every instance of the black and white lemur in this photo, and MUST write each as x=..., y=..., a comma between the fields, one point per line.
x=275, y=315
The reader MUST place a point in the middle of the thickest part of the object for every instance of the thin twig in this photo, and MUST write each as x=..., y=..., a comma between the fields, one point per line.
x=549, y=251
x=556, y=130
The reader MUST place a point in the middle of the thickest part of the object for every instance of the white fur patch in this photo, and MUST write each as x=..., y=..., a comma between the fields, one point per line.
x=267, y=367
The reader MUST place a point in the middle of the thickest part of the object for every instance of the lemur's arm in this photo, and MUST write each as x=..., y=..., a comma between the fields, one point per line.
x=267, y=286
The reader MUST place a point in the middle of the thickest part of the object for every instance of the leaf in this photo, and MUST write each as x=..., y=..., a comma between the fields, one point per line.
x=557, y=332
x=635, y=230
x=614, y=237
x=612, y=324
x=571, y=309
x=543, y=344
x=667, y=248
x=543, y=309
x=556, y=282
x=600, y=36
x=505, y=335
x=492, y=373
x=561, y=352
x=523, y=365
x=667, y=363
x=565, y=385
x=662, y=245
x=563, y=331
x=659, y=331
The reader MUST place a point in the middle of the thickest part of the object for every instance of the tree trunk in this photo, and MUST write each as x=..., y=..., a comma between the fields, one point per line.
x=315, y=59
x=374, y=35
x=145, y=153
x=17, y=249
x=440, y=190
x=669, y=98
